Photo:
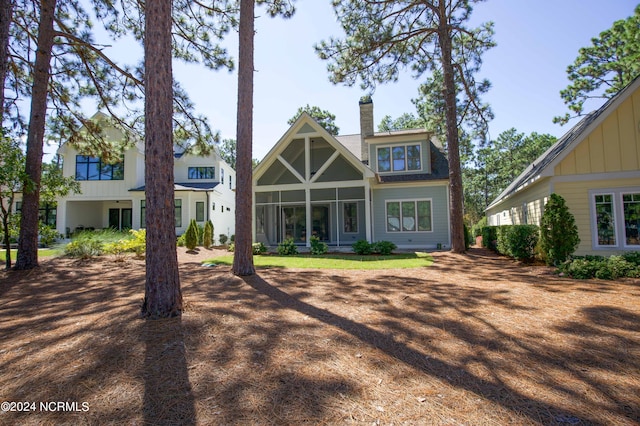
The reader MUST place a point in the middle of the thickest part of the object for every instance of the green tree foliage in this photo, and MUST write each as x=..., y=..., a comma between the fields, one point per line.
x=383, y=37
x=497, y=164
x=207, y=238
x=191, y=235
x=227, y=150
x=558, y=231
x=405, y=121
x=604, y=68
x=11, y=179
x=325, y=118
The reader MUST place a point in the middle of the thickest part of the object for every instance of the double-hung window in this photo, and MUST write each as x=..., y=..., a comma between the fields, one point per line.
x=399, y=158
x=616, y=217
x=409, y=216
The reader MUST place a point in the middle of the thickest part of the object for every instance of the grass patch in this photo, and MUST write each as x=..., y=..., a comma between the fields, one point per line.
x=41, y=253
x=335, y=261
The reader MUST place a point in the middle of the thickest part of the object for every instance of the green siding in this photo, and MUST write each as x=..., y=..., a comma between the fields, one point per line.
x=439, y=219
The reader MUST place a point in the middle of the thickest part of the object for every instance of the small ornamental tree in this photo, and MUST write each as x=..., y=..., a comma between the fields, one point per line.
x=558, y=231
x=191, y=235
x=207, y=238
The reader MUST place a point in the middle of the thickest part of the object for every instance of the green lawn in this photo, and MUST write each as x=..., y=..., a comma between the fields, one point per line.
x=335, y=261
x=41, y=253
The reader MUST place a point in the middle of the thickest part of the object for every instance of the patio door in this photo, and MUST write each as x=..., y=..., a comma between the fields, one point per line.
x=320, y=218
x=120, y=219
x=294, y=223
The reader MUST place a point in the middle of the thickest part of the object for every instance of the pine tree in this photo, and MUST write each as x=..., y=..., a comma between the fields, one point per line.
x=207, y=238
x=558, y=231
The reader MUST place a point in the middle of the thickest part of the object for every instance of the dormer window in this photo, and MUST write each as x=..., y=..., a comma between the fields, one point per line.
x=202, y=173
x=93, y=168
x=399, y=158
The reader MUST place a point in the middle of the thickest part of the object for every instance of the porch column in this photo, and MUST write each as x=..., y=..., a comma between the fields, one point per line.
x=309, y=220
x=61, y=217
x=367, y=210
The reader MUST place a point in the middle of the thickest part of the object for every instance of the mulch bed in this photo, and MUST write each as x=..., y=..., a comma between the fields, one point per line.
x=475, y=339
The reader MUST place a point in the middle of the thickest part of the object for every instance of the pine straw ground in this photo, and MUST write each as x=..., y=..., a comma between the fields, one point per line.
x=474, y=339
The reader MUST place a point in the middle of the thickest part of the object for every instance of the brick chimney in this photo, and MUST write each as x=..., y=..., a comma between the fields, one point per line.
x=366, y=126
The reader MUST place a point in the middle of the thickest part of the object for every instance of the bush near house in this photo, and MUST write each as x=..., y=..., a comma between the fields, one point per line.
x=383, y=248
x=517, y=241
x=317, y=246
x=223, y=239
x=614, y=267
x=489, y=237
x=287, y=248
x=191, y=235
x=207, y=237
x=558, y=231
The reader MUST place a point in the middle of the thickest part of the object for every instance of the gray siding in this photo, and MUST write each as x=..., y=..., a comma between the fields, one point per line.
x=439, y=219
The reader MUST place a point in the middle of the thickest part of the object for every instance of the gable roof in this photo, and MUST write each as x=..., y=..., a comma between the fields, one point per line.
x=303, y=121
x=543, y=166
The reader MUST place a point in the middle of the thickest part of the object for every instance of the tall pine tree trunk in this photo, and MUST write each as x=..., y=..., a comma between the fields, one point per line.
x=163, y=297
x=28, y=244
x=456, y=196
x=6, y=14
x=243, y=254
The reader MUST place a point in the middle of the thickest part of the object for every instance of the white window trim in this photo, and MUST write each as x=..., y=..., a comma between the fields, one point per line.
x=618, y=214
x=415, y=200
x=357, y=217
x=406, y=166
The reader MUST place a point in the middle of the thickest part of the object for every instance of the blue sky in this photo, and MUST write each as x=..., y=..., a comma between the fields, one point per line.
x=536, y=41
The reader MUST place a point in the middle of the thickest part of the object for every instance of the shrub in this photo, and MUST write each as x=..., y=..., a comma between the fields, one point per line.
x=287, y=248
x=383, y=248
x=489, y=237
x=181, y=241
x=476, y=230
x=223, y=239
x=361, y=247
x=191, y=235
x=231, y=247
x=135, y=243
x=47, y=235
x=207, y=237
x=558, y=231
x=467, y=237
x=200, y=230
x=258, y=248
x=517, y=241
x=317, y=246
x=616, y=266
x=84, y=248
x=632, y=257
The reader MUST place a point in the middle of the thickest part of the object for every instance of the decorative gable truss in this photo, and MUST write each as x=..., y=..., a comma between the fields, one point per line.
x=311, y=185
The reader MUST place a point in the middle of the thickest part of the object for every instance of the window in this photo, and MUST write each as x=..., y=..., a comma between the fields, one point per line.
x=350, y=217
x=605, y=220
x=47, y=213
x=409, y=216
x=221, y=175
x=230, y=182
x=178, y=213
x=202, y=173
x=399, y=158
x=631, y=208
x=199, y=211
x=92, y=168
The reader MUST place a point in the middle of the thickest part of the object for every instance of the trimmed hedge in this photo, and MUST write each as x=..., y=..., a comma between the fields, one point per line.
x=489, y=237
x=517, y=241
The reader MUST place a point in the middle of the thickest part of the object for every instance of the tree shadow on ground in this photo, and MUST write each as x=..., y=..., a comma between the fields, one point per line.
x=394, y=337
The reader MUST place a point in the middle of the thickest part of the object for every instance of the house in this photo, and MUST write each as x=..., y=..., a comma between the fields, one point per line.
x=112, y=195
x=595, y=167
x=390, y=186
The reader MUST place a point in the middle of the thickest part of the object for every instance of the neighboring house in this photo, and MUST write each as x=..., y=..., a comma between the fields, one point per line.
x=113, y=195
x=390, y=186
x=595, y=167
